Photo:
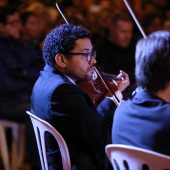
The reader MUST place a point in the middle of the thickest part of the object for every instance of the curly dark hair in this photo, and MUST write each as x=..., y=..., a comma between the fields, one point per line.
x=62, y=40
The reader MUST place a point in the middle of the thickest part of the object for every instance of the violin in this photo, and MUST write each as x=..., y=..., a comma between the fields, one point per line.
x=100, y=87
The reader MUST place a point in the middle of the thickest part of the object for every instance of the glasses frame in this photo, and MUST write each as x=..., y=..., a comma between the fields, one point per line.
x=88, y=55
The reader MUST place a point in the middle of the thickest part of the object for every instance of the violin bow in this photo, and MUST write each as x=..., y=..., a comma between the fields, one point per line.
x=116, y=100
x=61, y=13
x=134, y=17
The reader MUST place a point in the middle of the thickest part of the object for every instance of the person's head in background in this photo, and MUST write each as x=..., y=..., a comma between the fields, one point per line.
x=160, y=4
x=83, y=5
x=119, y=6
x=148, y=7
x=10, y=25
x=3, y=3
x=153, y=62
x=74, y=16
x=41, y=11
x=30, y=26
x=106, y=4
x=151, y=22
x=120, y=30
x=68, y=49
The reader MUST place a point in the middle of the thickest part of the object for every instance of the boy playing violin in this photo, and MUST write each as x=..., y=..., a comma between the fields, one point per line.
x=69, y=57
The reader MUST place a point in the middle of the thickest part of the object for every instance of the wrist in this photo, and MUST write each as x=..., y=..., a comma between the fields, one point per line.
x=118, y=95
x=117, y=98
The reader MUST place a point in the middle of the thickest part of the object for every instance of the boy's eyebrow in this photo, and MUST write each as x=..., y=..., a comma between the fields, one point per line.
x=86, y=49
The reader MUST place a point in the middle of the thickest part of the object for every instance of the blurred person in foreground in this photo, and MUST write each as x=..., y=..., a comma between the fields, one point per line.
x=144, y=120
x=69, y=57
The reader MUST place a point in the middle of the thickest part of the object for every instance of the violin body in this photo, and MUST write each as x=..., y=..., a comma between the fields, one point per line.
x=97, y=90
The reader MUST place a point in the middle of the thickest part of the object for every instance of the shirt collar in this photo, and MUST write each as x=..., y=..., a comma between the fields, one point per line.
x=71, y=79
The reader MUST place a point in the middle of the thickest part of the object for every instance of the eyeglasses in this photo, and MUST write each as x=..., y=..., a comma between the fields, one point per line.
x=87, y=55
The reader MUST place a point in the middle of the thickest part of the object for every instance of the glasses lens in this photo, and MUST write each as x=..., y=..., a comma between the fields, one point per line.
x=90, y=55
x=87, y=55
x=93, y=53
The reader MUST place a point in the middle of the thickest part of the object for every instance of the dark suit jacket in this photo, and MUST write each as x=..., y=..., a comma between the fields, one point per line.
x=70, y=110
x=143, y=121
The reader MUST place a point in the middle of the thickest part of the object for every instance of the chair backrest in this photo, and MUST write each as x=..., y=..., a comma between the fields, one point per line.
x=124, y=157
x=40, y=127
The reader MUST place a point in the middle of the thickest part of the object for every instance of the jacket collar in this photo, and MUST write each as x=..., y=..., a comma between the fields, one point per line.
x=55, y=71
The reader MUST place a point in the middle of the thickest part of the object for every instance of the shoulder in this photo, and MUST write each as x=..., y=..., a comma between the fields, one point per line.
x=55, y=82
x=124, y=110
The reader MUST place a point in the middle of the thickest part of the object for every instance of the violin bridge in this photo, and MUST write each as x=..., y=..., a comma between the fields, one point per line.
x=94, y=77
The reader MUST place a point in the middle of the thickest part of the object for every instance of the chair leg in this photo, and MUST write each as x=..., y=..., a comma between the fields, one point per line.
x=18, y=145
x=21, y=144
x=18, y=142
x=14, y=155
x=4, y=149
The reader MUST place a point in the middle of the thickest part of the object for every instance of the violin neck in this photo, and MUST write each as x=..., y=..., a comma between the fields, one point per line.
x=109, y=76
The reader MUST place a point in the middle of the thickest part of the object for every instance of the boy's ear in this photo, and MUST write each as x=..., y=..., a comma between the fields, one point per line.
x=60, y=60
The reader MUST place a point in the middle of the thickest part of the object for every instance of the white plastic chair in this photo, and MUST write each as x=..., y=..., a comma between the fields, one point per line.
x=4, y=149
x=124, y=157
x=18, y=144
x=40, y=127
